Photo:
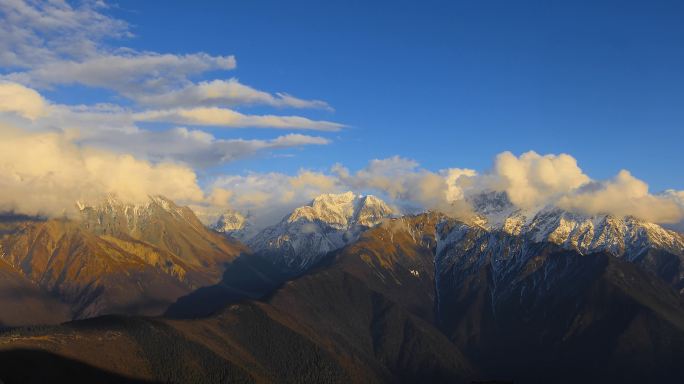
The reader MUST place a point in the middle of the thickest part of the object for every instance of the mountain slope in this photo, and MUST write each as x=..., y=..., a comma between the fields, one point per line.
x=536, y=312
x=119, y=258
x=24, y=303
x=414, y=299
x=361, y=337
x=373, y=300
x=649, y=245
x=234, y=225
x=164, y=225
x=91, y=274
x=394, y=258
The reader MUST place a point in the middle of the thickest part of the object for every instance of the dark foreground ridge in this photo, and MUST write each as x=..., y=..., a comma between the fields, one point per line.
x=37, y=366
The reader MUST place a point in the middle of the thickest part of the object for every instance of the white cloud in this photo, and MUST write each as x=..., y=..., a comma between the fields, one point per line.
x=532, y=180
x=222, y=117
x=625, y=195
x=45, y=174
x=61, y=153
x=111, y=127
x=194, y=147
x=405, y=184
x=268, y=197
x=25, y=102
x=129, y=73
x=225, y=93
x=56, y=154
x=458, y=179
x=37, y=32
x=55, y=43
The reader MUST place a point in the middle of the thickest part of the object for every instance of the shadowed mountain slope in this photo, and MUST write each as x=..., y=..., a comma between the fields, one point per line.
x=24, y=303
x=536, y=312
x=256, y=342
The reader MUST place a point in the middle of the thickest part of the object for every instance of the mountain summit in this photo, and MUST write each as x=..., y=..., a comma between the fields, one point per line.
x=233, y=224
x=658, y=250
x=328, y=223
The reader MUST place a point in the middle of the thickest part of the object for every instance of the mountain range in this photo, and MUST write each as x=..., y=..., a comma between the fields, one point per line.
x=344, y=289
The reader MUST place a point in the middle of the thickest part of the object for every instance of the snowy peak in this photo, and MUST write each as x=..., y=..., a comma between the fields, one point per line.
x=371, y=210
x=582, y=233
x=616, y=235
x=494, y=210
x=111, y=204
x=111, y=213
x=342, y=211
x=329, y=222
x=649, y=245
x=229, y=222
x=491, y=202
x=233, y=224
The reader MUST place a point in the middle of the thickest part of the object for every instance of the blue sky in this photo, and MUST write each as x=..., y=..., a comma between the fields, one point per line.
x=251, y=105
x=454, y=82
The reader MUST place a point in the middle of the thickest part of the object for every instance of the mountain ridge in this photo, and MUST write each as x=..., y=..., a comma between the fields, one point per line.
x=117, y=257
x=327, y=223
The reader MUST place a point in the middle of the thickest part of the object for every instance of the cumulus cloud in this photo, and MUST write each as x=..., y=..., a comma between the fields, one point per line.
x=457, y=180
x=268, y=197
x=45, y=174
x=531, y=179
x=25, y=102
x=534, y=181
x=405, y=183
x=625, y=195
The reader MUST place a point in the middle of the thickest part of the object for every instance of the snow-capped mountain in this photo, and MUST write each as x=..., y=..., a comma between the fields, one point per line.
x=618, y=236
x=328, y=223
x=160, y=222
x=111, y=215
x=233, y=224
x=659, y=250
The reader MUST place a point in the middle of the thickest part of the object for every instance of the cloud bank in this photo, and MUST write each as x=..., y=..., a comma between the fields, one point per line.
x=531, y=181
x=46, y=174
x=113, y=128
